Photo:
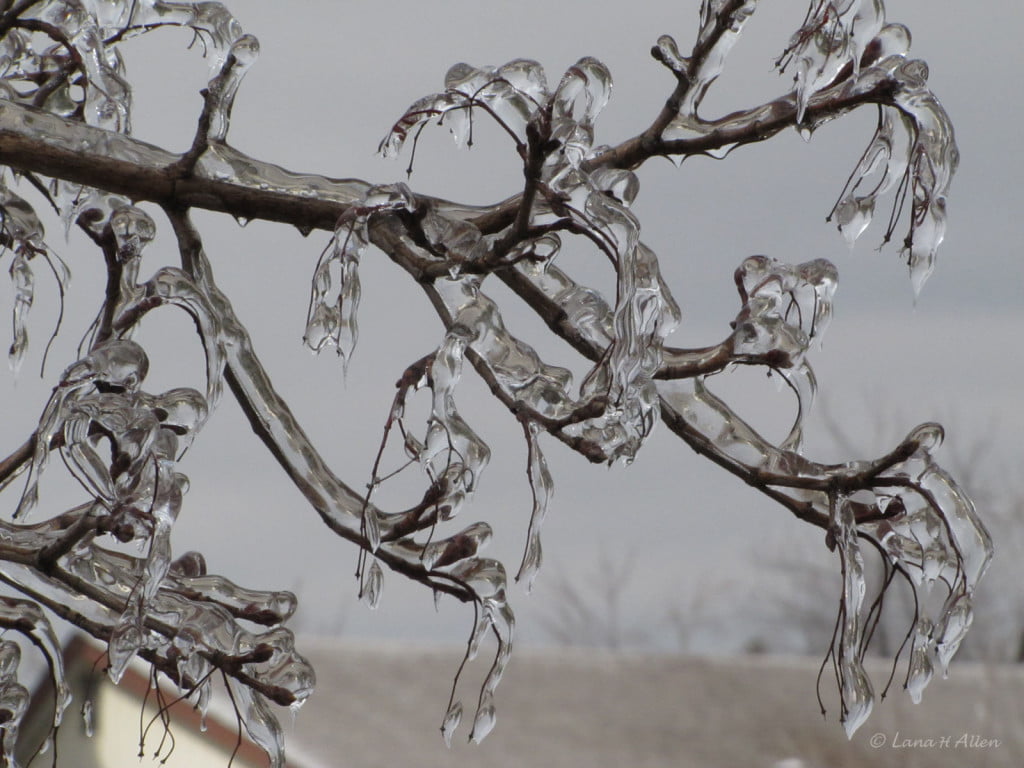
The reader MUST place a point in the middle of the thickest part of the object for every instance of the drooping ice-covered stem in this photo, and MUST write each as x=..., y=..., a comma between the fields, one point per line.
x=22, y=232
x=913, y=149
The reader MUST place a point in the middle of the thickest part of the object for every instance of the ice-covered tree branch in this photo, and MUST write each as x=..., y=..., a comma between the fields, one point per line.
x=65, y=128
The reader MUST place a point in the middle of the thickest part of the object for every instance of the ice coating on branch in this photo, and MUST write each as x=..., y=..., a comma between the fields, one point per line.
x=120, y=364
x=914, y=151
x=222, y=162
x=79, y=78
x=224, y=87
x=466, y=543
x=204, y=611
x=617, y=404
x=339, y=504
x=81, y=75
x=515, y=365
x=586, y=309
x=721, y=22
x=645, y=313
x=136, y=485
x=107, y=102
x=598, y=203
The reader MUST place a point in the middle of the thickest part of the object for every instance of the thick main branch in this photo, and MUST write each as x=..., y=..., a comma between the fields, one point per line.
x=34, y=141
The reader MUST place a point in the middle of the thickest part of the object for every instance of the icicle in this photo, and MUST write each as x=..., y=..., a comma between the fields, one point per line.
x=485, y=718
x=260, y=723
x=203, y=702
x=371, y=589
x=88, y=718
x=23, y=282
x=952, y=629
x=223, y=88
x=834, y=36
x=921, y=670
x=542, y=487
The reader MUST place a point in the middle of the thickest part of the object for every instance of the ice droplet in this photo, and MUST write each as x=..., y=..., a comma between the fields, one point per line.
x=853, y=216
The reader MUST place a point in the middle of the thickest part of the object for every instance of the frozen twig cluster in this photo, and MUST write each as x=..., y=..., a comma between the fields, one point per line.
x=65, y=135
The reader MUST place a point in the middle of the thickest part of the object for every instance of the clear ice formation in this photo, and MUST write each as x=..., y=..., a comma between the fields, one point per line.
x=844, y=47
x=124, y=444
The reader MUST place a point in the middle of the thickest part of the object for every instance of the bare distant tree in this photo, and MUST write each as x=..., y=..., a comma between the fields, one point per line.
x=65, y=141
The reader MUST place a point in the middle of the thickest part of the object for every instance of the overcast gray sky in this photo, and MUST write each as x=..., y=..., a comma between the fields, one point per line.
x=333, y=76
